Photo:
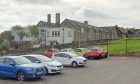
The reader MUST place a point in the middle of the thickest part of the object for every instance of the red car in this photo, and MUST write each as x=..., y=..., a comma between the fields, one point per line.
x=96, y=53
x=49, y=53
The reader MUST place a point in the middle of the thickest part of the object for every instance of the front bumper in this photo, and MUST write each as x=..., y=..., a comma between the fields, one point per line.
x=57, y=69
x=82, y=63
x=35, y=73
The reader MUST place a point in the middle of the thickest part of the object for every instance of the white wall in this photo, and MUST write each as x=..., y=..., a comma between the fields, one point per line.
x=59, y=39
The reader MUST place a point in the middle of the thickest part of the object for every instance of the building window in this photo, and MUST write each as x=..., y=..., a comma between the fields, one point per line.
x=48, y=33
x=69, y=34
x=58, y=33
x=53, y=33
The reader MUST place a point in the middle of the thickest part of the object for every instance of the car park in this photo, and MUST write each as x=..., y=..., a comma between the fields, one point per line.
x=20, y=68
x=81, y=51
x=50, y=65
x=96, y=52
x=70, y=59
x=49, y=53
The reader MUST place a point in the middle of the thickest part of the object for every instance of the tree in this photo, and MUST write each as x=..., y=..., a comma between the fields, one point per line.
x=4, y=47
x=34, y=31
x=17, y=27
x=6, y=35
x=21, y=34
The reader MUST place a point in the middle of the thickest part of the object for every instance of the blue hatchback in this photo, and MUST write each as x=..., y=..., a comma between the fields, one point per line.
x=20, y=68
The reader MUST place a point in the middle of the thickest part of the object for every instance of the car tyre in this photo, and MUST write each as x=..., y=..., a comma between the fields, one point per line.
x=106, y=56
x=20, y=76
x=74, y=64
x=47, y=72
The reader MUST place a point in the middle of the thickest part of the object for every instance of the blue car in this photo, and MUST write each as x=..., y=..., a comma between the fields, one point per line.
x=20, y=68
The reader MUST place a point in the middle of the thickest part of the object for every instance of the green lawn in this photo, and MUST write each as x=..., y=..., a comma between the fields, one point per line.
x=119, y=46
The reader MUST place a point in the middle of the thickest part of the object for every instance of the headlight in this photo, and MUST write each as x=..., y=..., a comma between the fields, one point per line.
x=51, y=65
x=30, y=69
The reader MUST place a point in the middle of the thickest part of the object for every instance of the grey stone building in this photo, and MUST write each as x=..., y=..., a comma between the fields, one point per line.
x=81, y=31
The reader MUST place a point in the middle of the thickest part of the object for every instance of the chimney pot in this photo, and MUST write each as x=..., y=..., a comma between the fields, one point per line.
x=86, y=22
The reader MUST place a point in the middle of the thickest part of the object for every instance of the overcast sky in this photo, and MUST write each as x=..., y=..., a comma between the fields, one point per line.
x=98, y=12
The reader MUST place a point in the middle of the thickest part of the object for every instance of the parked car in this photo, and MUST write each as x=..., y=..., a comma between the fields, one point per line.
x=68, y=50
x=70, y=59
x=50, y=65
x=49, y=53
x=81, y=51
x=96, y=52
x=20, y=68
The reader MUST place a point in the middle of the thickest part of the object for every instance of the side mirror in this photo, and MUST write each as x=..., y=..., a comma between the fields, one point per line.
x=37, y=62
x=12, y=64
x=70, y=57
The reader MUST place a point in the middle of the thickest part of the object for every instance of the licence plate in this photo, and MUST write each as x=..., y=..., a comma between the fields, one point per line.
x=41, y=72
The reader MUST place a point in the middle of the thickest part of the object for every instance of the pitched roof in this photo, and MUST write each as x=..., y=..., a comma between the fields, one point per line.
x=44, y=24
x=109, y=28
x=77, y=24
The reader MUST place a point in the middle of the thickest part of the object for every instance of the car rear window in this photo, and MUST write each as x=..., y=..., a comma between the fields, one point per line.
x=78, y=50
x=1, y=60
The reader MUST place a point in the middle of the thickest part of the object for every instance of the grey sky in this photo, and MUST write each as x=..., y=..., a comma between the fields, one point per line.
x=97, y=12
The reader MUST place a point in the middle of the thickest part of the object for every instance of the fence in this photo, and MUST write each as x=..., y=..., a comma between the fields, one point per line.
x=120, y=47
x=114, y=47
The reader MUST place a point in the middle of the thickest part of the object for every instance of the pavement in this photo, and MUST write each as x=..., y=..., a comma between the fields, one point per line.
x=113, y=70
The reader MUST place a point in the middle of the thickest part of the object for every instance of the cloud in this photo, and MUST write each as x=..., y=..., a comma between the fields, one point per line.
x=41, y=2
x=92, y=13
x=97, y=12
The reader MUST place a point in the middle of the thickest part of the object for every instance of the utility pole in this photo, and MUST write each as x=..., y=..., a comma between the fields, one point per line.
x=126, y=44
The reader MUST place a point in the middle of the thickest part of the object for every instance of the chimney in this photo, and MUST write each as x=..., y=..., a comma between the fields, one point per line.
x=49, y=18
x=57, y=19
x=86, y=22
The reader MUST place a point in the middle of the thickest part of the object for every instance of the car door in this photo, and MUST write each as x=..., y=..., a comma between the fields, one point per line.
x=9, y=70
x=1, y=67
x=65, y=59
x=61, y=57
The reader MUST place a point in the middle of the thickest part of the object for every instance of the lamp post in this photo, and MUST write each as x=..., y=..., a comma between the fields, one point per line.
x=63, y=35
x=79, y=40
x=44, y=36
x=79, y=36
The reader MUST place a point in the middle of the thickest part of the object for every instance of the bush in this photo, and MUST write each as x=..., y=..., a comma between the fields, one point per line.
x=5, y=46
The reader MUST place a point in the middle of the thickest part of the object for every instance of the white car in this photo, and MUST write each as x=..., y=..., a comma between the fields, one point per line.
x=50, y=65
x=70, y=59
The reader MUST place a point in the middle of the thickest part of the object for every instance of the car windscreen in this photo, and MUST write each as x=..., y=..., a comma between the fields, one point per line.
x=21, y=61
x=63, y=50
x=43, y=58
x=73, y=55
x=94, y=50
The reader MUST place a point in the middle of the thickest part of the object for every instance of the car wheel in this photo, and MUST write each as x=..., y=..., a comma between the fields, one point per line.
x=74, y=64
x=47, y=72
x=20, y=76
x=106, y=56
